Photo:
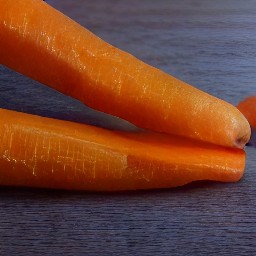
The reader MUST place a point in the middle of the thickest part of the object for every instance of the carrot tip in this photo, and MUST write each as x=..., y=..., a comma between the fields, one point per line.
x=242, y=141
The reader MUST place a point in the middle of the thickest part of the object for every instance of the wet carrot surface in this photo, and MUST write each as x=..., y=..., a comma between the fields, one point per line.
x=62, y=54
x=49, y=153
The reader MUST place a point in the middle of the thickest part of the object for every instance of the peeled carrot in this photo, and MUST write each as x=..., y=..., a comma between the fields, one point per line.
x=42, y=43
x=248, y=108
x=48, y=153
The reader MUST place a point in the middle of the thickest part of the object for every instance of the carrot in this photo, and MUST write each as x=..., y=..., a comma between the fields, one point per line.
x=47, y=46
x=48, y=153
x=248, y=108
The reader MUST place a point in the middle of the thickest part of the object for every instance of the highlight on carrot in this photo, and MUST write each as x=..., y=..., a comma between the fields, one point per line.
x=48, y=153
x=248, y=108
x=67, y=57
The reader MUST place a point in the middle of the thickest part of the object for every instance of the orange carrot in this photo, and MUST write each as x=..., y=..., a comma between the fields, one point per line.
x=248, y=108
x=48, y=153
x=44, y=44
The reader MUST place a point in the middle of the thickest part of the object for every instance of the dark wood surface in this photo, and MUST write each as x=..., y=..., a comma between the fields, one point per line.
x=210, y=44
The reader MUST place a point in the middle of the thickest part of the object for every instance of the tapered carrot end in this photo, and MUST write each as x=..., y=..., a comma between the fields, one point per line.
x=220, y=123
